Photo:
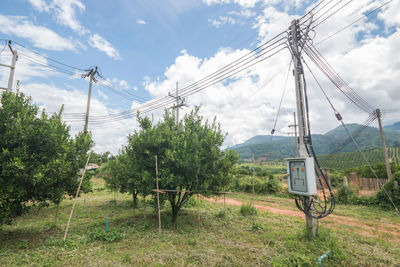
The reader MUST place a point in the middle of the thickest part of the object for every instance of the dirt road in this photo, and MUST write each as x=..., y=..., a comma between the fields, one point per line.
x=361, y=226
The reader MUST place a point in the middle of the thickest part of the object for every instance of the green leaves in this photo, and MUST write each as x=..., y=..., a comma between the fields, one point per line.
x=39, y=161
x=189, y=158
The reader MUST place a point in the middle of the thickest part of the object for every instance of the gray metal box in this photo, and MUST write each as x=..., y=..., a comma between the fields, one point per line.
x=301, y=176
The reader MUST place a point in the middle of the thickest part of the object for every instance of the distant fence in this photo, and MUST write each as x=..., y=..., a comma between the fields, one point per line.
x=370, y=184
x=367, y=184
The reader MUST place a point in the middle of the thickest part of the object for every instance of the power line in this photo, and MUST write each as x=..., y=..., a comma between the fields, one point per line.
x=354, y=22
x=332, y=75
x=280, y=103
x=48, y=58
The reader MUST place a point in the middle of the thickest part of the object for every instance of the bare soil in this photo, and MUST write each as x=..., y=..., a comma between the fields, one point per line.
x=370, y=228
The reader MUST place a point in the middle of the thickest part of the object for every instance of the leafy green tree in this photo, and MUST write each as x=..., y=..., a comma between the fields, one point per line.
x=39, y=161
x=189, y=155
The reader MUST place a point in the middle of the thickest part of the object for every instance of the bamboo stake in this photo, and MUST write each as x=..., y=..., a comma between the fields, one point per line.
x=158, y=200
x=224, y=207
x=198, y=212
x=76, y=197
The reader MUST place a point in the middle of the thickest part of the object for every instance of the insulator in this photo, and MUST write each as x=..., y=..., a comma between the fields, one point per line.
x=338, y=116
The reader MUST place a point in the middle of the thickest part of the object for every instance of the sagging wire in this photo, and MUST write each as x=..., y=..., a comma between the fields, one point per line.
x=280, y=103
x=339, y=118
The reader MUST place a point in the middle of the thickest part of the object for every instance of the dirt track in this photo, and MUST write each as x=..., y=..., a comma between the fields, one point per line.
x=363, y=227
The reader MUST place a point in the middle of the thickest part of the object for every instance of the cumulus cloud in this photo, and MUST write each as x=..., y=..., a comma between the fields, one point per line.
x=64, y=12
x=51, y=97
x=101, y=44
x=40, y=36
x=358, y=54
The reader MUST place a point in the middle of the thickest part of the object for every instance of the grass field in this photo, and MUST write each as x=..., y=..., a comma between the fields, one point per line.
x=355, y=235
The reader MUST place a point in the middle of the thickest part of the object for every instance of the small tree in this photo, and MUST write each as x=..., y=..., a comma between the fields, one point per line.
x=39, y=161
x=189, y=153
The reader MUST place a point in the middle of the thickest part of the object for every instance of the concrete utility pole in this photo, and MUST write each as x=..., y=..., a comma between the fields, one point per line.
x=304, y=134
x=91, y=74
x=295, y=133
x=180, y=102
x=12, y=67
x=388, y=170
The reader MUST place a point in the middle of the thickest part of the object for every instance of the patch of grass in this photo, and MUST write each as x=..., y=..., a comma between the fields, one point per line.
x=102, y=235
x=247, y=209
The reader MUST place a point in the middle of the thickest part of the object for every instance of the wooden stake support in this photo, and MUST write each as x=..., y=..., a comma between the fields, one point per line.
x=158, y=199
x=76, y=197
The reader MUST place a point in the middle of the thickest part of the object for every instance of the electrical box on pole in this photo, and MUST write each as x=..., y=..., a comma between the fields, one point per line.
x=301, y=176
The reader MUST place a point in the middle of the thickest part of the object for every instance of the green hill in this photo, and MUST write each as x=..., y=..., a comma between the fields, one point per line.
x=334, y=141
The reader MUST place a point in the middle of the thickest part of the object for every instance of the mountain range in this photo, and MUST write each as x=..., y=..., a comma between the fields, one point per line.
x=267, y=148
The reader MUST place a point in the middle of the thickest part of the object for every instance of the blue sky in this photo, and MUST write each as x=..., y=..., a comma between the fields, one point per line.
x=144, y=47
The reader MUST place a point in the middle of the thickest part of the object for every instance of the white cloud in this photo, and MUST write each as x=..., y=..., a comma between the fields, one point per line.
x=40, y=36
x=390, y=14
x=64, y=12
x=244, y=3
x=222, y=20
x=246, y=13
x=140, y=21
x=365, y=60
x=101, y=44
x=51, y=98
x=40, y=5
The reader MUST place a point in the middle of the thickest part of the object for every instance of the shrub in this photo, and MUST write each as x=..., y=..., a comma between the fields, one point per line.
x=391, y=189
x=247, y=209
x=100, y=234
x=344, y=195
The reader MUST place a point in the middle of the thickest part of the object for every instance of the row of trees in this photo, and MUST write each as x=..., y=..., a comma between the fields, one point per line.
x=189, y=155
x=39, y=160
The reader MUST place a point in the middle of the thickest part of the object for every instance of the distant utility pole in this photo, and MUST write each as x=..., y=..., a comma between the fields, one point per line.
x=12, y=67
x=294, y=125
x=389, y=172
x=304, y=134
x=90, y=74
x=180, y=102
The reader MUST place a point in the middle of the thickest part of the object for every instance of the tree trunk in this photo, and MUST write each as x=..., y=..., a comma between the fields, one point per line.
x=175, y=210
x=55, y=219
x=144, y=208
x=134, y=201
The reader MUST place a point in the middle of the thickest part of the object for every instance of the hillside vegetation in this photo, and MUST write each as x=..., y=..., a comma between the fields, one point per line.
x=334, y=141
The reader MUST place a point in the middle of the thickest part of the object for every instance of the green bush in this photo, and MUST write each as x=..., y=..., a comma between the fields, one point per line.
x=247, y=209
x=393, y=192
x=192, y=202
x=344, y=195
x=262, y=185
x=100, y=234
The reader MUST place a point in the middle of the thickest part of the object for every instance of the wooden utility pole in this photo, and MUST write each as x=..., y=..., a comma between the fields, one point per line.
x=158, y=199
x=91, y=74
x=388, y=170
x=304, y=134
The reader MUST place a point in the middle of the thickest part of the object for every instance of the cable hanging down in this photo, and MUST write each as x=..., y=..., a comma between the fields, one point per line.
x=308, y=204
x=372, y=117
